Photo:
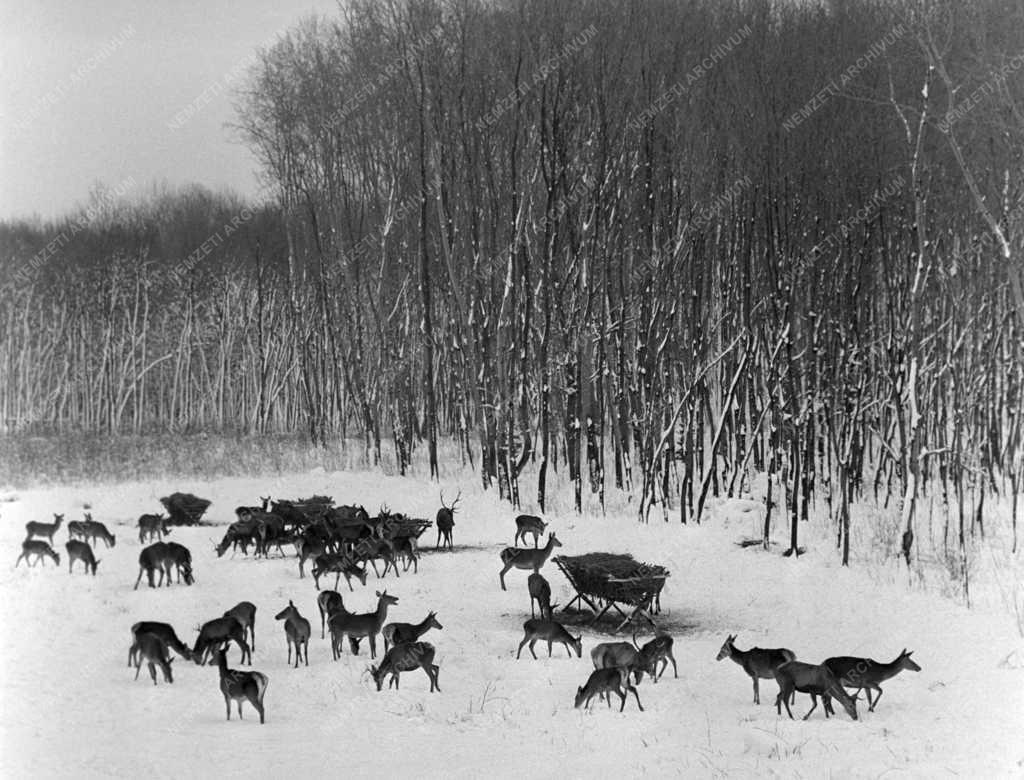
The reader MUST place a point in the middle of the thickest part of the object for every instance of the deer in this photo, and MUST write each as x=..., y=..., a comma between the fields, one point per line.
x=817, y=681
x=328, y=563
x=89, y=530
x=758, y=663
x=240, y=686
x=328, y=602
x=529, y=524
x=39, y=549
x=296, y=631
x=217, y=632
x=404, y=658
x=551, y=631
x=605, y=682
x=152, y=650
x=658, y=649
x=866, y=673
x=618, y=655
x=445, y=522
x=80, y=551
x=151, y=559
x=523, y=558
x=309, y=549
x=245, y=613
x=540, y=591
x=181, y=558
x=164, y=632
x=402, y=633
x=405, y=548
x=357, y=626
x=33, y=528
x=369, y=550
x=152, y=527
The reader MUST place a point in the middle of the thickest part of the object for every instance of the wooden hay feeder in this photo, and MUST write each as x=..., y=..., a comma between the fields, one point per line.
x=614, y=579
x=184, y=508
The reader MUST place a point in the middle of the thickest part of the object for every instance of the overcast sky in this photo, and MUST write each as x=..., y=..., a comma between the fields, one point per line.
x=90, y=91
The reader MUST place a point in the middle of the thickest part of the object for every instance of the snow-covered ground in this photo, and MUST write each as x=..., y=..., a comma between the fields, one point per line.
x=69, y=704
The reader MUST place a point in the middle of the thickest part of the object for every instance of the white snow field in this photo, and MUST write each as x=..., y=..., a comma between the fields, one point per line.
x=70, y=706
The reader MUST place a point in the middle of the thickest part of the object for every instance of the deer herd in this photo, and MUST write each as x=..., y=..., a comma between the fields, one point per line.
x=343, y=541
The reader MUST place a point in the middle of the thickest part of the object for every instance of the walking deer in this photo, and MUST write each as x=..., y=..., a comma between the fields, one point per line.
x=529, y=524
x=404, y=658
x=757, y=662
x=245, y=613
x=162, y=631
x=866, y=673
x=216, y=634
x=296, y=631
x=152, y=650
x=603, y=683
x=817, y=681
x=152, y=527
x=357, y=626
x=240, y=686
x=328, y=602
x=402, y=633
x=540, y=591
x=39, y=549
x=47, y=530
x=523, y=558
x=445, y=522
x=80, y=551
x=550, y=631
x=658, y=649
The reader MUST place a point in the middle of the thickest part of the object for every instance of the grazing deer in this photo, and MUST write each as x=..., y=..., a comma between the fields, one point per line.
x=217, y=633
x=80, y=551
x=240, y=686
x=39, y=550
x=866, y=674
x=758, y=663
x=153, y=651
x=33, y=528
x=402, y=633
x=549, y=631
x=89, y=530
x=618, y=655
x=445, y=522
x=164, y=632
x=296, y=631
x=604, y=682
x=540, y=591
x=357, y=626
x=404, y=658
x=245, y=613
x=522, y=558
x=328, y=602
x=181, y=558
x=815, y=680
x=327, y=563
x=529, y=524
x=658, y=649
x=160, y=556
x=152, y=527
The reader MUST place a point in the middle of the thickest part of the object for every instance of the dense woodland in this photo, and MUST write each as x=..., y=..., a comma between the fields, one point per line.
x=656, y=245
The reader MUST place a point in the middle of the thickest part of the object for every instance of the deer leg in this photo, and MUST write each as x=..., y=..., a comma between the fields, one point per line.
x=305, y=651
x=152, y=671
x=631, y=688
x=549, y=649
x=871, y=707
x=227, y=705
x=814, y=705
x=757, y=693
x=289, y=652
x=373, y=645
x=502, y=574
x=521, y=644
x=240, y=710
x=675, y=670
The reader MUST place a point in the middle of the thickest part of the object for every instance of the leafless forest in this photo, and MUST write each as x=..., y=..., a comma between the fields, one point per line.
x=655, y=245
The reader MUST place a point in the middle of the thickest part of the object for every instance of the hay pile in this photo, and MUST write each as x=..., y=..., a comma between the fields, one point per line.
x=615, y=577
x=184, y=508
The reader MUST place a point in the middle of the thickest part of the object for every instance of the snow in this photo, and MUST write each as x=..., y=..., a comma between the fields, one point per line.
x=71, y=706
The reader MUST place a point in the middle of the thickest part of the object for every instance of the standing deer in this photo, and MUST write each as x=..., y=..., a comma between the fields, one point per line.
x=404, y=658
x=47, y=530
x=658, y=649
x=152, y=527
x=89, y=530
x=329, y=563
x=328, y=602
x=401, y=633
x=758, y=663
x=80, y=551
x=605, y=682
x=522, y=558
x=550, y=631
x=296, y=631
x=245, y=613
x=817, y=681
x=181, y=559
x=866, y=674
x=445, y=522
x=39, y=550
x=618, y=655
x=529, y=524
x=357, y=626
x=240, y=686
x=153, y=651
x=162, y=631
x=540, y=591
x=216, y=633
x=161, y=557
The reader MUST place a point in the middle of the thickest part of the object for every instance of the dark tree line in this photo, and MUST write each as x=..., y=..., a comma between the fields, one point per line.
x=592, y=235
